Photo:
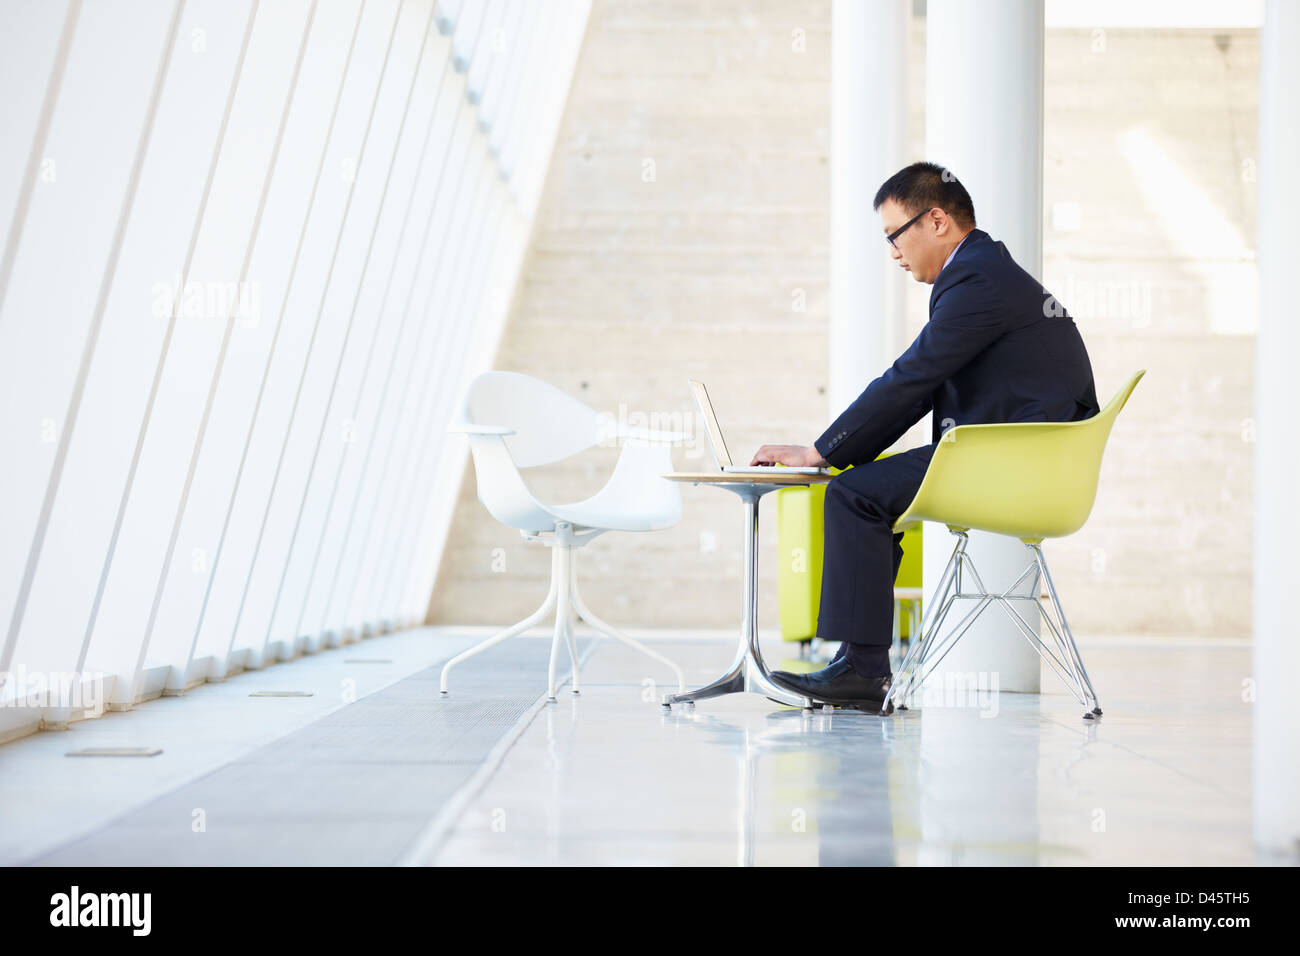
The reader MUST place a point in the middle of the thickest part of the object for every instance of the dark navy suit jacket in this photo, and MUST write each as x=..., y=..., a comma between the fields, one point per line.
x=997, y=348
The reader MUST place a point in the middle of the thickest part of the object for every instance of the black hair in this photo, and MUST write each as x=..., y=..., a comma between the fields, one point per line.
x=926, y=185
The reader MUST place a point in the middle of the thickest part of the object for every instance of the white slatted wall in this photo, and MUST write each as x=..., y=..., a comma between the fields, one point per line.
x=252, y=253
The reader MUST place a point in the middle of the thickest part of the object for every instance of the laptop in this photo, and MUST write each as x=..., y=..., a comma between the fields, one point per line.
x=719, y=446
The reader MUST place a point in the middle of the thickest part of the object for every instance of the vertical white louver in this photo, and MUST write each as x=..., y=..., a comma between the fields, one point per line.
x=251, y=251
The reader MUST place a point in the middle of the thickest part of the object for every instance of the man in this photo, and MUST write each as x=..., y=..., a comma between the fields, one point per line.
x=997, y=348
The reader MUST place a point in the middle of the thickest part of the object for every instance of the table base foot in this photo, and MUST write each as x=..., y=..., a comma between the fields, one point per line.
x=747, y=677
x=732, y=683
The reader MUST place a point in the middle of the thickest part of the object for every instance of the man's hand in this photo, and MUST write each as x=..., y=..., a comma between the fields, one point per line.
x=797, y=456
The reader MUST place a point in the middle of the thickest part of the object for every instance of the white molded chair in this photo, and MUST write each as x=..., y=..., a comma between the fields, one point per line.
x=514, y=421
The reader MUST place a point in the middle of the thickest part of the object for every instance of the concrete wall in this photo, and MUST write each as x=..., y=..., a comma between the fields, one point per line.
x=683, y=233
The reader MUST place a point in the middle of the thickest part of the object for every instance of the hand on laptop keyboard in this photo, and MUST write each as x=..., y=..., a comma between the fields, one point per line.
x=797, y=456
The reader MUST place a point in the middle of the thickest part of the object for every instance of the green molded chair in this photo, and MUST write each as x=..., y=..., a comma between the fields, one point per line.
x=1030, y=480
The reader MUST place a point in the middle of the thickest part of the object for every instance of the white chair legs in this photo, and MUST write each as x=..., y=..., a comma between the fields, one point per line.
x=562, y=573
x=564, y=598
x=925, y=653
x=511, y=631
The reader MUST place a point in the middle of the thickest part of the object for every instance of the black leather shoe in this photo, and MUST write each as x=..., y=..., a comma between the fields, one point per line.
x=839, y=684
x=827, y=672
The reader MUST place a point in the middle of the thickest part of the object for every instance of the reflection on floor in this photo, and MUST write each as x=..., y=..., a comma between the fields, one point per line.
x=389, y=773
x=611, y=778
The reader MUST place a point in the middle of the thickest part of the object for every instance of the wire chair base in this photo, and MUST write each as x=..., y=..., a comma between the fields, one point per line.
x=925, y=653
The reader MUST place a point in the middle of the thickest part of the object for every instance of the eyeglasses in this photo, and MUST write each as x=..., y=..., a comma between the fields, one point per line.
x=904, y=227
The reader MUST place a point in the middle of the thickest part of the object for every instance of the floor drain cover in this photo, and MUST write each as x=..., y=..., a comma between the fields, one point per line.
x=114, y=752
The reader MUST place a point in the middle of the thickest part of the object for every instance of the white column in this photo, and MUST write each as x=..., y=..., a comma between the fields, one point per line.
x=868, y=133
x=984, y=121
x=1276, y=654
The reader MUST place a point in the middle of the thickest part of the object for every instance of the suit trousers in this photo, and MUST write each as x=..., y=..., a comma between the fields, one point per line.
x=862, y=554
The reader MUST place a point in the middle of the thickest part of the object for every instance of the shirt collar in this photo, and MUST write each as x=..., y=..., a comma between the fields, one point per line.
x=954, y=252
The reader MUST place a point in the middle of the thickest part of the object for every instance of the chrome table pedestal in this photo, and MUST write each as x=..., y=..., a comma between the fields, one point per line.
x=747, y=673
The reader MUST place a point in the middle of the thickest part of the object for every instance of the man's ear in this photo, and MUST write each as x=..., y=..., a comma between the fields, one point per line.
x=942, y=222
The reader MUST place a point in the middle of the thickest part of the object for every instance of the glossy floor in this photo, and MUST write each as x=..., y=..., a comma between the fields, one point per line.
x=610, y=778
x=387, y=773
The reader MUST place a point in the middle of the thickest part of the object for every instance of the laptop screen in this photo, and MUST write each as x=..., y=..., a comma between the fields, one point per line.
x=719, y=446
